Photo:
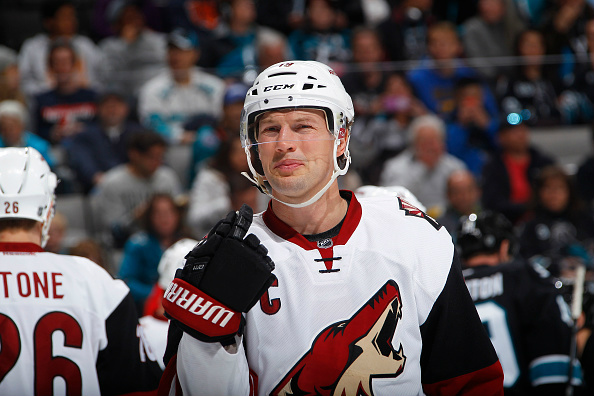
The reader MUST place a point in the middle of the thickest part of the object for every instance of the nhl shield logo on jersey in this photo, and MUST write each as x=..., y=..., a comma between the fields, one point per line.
x=325, y=243
x=346, y=356
x=411, y=210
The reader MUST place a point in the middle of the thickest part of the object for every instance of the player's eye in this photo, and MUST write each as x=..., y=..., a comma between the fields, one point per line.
x=269, y=130
x=304, y=128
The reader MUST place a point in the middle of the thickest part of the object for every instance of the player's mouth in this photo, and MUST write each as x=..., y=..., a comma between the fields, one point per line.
x=287, y=166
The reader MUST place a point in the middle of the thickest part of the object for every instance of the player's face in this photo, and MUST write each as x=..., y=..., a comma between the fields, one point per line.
x=296, y=151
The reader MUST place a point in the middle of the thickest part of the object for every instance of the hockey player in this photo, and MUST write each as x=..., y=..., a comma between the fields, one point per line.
x=66, y=326
x=526, y=316
x=366, y=295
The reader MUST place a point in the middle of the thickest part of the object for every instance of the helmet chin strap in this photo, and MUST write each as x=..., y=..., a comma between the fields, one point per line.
x=258, y=180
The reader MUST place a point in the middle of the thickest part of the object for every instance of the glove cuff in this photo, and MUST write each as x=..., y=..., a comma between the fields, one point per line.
x=200, y=312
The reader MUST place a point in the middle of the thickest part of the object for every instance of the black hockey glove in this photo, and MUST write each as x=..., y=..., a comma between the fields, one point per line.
x=225, y=274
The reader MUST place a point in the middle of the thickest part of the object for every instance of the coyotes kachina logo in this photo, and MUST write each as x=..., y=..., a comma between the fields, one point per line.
x=347, y=355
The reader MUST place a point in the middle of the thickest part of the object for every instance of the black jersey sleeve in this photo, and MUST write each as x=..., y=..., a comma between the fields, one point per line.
x=457, y=356
x=124, y=366
x=546, y=321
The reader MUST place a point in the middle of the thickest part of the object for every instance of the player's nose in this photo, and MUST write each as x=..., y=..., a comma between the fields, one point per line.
x=286, y=139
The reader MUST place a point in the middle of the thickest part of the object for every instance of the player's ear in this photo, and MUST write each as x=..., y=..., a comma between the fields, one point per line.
x=504, y=253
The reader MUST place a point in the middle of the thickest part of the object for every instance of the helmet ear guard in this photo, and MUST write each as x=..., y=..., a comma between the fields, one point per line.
x=294, y=85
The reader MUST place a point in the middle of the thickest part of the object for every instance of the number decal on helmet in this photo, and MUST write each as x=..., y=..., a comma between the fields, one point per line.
x=11, y=207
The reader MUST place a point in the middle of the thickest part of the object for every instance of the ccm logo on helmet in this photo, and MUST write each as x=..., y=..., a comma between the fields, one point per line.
x=278, y=86
x=182, y=299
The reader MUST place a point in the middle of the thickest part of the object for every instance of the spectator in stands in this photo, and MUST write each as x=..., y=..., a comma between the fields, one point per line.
x=508, y=175
x=321, y=38
x=564, y=26
x=169, y=100
x=425, y=166
x=92, y=250
x=455, y=11
x=533, y=87
x=583, y=75
x=463, y=196
x=386, y=134
x=559, y=227
x=404, y=34
x=161, y=226
x=61, y=111
x=209, y=137
x=135, y=54
x=156, y=13
x=272, y=47
x=202, y=16
x=283, y=16
x=531, y=12
x=232, y=51
x=289, y=15
x=101, y=145
x=121, y=196
x=435, y=79
x=585, y=175
x=489, y=36
x=366, y=78
x=472, y=128
x=13, y=132
x=220, y=187
x=10, y=88
x=60, y=23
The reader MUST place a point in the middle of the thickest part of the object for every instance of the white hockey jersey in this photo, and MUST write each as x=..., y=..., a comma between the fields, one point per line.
x=380, y=309
x=67, y=327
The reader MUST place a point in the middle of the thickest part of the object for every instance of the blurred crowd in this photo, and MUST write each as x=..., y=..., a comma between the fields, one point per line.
x=446, y=95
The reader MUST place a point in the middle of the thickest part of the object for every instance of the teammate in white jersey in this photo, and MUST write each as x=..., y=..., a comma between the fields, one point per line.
x=66, y=326
x=329, y=294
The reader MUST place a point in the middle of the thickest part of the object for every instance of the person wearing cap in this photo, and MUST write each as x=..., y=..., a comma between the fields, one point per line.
x=510, y=172
x=13, y=132
x=101, y=145
x=180, y=92
x=136, y=53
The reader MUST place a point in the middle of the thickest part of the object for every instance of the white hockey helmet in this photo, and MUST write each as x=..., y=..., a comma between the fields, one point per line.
x=173, y=258
x=27, y=187
x=291, y=85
